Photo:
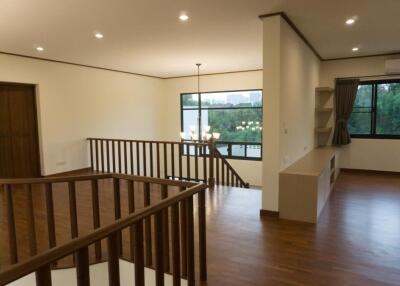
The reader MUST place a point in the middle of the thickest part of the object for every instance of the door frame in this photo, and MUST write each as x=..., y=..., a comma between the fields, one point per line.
x=36, y=123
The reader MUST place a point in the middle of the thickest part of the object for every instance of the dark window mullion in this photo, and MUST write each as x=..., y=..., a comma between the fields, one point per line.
x=199, y=117
x=374, y=109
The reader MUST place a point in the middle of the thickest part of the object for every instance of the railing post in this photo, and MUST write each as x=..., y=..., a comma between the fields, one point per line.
x=113, y=244
x=202, y=235
x=91, y=153
x=138, y=253
x=190, y=242
x=82, y=267
x=43, y=276
x=11, y=225
x=211, y=147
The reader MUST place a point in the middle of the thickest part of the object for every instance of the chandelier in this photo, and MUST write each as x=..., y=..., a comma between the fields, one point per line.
x=206, y=135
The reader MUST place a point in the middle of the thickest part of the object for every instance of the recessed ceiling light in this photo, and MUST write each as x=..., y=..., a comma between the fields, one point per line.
x=39, y=49
x=183, y=17
x=99, y=35
x=350, y=21
x=355, y=49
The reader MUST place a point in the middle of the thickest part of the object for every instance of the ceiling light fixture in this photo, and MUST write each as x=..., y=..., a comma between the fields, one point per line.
x=355, y=49
x=183, y=17
x=99, y=35
x=39, y=49
x=350, y=21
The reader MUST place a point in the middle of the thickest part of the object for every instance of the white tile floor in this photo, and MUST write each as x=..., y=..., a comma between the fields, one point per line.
x=98, y=276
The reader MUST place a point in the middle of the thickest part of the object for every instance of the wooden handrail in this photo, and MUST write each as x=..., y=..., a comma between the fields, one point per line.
x=78, y=178
x=193, y=143
x=153, y=180
x=44, y=180
x=40, y=263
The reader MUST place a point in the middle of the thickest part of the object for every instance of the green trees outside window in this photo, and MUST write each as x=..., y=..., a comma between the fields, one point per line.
x=376, y=111
x=236, y=115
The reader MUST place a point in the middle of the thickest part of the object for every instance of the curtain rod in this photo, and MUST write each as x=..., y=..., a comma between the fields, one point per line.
x=370, y=76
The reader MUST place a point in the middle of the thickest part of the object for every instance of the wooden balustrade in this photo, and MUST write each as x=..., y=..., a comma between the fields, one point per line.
x=165, y=214
x=186, y=160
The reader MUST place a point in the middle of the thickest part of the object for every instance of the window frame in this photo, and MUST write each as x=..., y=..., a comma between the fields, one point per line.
x=230, y=143
x=374, y=111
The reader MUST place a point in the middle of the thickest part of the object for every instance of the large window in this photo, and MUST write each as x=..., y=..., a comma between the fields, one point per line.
x=376, y=111
x=236, y=115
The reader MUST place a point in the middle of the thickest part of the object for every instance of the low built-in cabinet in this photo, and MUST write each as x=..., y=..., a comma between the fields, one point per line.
x=305, y=186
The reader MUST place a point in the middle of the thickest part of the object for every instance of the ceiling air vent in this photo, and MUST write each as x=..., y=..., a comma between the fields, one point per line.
x=392, y=66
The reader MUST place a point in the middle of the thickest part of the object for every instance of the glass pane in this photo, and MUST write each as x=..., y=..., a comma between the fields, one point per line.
x=190, y=101
x=359, y=123
x=364, y=96
x=190, y=119
x=223, y=149
x=234, y=125
x=254, y=151
x=388, y=109
x=360, y=119
x=238, y=150
x=251, y=98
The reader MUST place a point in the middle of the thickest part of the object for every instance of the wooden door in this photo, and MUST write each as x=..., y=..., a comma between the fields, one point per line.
x=19, y=147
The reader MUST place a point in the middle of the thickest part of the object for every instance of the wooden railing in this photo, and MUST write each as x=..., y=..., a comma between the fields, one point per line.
x=187, y=160
x=225, y=174
x=172, y=216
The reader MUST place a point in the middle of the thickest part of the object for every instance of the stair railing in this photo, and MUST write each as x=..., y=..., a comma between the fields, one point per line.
x=225, y=174
x=173, y=218
x=184, y=160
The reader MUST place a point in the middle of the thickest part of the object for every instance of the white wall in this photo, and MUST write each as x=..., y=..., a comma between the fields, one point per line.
x=78, y=102
x=249, y=170
x=300, y=70
x=291, y=74
x=370, y=154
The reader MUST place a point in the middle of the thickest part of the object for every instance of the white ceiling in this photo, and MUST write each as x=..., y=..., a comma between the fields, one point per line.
x=145, y=36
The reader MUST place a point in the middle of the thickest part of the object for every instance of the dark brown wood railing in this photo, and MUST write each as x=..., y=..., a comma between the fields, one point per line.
x=225, y=174
x=172, y=217
x=187, y=160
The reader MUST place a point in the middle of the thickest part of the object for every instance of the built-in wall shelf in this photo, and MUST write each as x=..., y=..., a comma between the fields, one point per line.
x=323, y=115
x=322, y=130
x=323, y=109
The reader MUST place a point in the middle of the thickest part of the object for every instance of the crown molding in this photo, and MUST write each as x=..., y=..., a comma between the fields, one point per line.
x=294, y=27
x=76, y=64
x=363, y=56
x=216, y=73
x=313, y=49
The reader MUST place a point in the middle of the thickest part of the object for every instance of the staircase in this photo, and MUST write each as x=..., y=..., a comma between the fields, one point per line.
x=153, y=227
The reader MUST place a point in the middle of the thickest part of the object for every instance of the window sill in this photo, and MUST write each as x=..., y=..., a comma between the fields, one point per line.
x=375, y=136
x=242, y=158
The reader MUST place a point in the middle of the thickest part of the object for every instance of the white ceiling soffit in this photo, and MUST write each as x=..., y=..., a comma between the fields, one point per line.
x=146, y=37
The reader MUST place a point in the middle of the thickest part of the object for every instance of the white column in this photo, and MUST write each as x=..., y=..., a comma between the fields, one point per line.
x=271, y=111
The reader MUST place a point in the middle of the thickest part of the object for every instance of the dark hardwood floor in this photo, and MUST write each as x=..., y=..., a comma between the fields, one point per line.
x=356, y=242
